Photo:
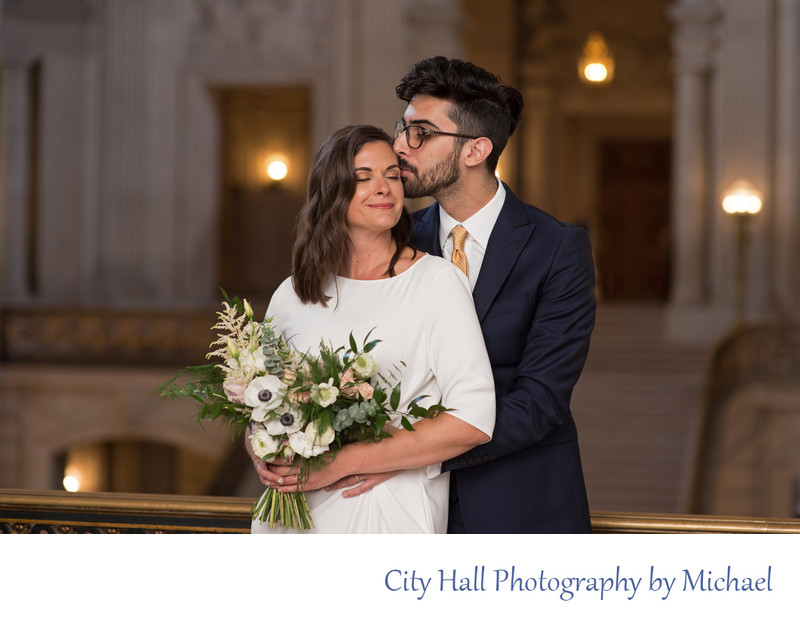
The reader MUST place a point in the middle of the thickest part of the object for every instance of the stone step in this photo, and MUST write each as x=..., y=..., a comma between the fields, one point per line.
x=636, y=407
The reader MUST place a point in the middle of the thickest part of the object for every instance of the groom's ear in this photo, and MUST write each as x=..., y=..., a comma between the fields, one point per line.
x=478, y=150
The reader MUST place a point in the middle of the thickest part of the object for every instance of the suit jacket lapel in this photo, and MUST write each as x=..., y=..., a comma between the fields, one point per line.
x=426, y=230
x=511, y=232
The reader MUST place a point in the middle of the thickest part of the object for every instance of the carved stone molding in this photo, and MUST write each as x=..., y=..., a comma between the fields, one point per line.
x=694, y=38
x=105, y=337
x=277, y=31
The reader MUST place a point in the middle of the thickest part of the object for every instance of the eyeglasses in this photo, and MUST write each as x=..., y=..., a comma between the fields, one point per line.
x=415, y=134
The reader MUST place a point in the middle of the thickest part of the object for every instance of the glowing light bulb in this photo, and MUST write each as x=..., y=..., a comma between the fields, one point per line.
x=742, y=198
x=277, y=170
x=596, y=64
x=595, y=72
x=71, y=483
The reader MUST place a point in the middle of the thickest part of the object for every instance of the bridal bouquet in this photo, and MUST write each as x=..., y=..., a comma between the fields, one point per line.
x=294, y=406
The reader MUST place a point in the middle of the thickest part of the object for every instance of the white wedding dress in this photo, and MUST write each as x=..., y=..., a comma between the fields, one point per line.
x=430, y=337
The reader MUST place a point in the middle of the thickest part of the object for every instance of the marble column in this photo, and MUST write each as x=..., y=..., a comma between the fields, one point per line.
x=742, y=115
x=121, y=226
x=786, y=198
x=15, y=281
x=693, y=43
x=64, y=168
x=536, y=142
x=373, y=44
x=45, y=53
x=382, y=67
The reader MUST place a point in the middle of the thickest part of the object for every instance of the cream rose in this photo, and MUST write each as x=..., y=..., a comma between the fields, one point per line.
x=253, y=361
x=310, y=442
x=347, y=384
x=263, y=443
x=234, y=388
x=365, y=390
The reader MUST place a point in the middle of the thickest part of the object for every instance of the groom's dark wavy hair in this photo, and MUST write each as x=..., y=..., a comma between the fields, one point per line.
x=481, y=105
x=322, y=244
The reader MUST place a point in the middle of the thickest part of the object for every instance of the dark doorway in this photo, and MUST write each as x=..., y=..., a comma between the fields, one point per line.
x=257, y=214
x=633, y=236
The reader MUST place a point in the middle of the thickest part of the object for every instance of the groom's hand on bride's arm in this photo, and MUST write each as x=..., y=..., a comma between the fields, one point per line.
x=359, y=483
x=284, y=479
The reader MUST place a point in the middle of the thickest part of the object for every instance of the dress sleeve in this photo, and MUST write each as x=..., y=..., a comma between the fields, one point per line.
x=277, y=305
x=456, y=350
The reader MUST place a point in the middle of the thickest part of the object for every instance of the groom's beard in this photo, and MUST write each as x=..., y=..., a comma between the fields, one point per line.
x=442, y=175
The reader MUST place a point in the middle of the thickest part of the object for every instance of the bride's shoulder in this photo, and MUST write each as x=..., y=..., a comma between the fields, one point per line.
x=408, y=258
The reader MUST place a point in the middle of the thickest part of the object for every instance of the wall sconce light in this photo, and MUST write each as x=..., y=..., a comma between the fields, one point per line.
x=596, y=64
x=741, y=201
x=72, y=480
x=277, y=168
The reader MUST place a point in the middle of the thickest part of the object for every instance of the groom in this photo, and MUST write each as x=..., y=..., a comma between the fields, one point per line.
x=533, y=285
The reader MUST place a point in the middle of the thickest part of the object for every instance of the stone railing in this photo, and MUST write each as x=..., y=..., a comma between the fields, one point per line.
x=23, y=511
x=760, y=364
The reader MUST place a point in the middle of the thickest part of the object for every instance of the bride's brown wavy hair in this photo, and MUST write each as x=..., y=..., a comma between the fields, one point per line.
x=322, y=244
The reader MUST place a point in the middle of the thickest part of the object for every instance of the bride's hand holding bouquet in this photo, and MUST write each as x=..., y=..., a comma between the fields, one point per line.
x=297, y=409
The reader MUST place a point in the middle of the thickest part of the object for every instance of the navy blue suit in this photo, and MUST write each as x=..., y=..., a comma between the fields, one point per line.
x=535, y=299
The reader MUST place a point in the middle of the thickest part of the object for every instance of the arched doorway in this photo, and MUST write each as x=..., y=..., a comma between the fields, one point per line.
x=135, y=467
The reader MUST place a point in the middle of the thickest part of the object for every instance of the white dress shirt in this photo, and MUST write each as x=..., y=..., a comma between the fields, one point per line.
x=479, y=226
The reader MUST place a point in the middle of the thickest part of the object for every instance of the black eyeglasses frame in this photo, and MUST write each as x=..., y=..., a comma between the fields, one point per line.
x=402, y=128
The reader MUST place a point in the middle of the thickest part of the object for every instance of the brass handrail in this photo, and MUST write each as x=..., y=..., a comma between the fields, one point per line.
x=622, y=522
x=24, y=511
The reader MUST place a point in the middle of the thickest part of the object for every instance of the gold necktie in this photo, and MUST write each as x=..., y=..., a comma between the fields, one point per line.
x=459, y=258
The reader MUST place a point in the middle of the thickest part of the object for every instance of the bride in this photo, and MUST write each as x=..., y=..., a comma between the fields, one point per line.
x=353, y=271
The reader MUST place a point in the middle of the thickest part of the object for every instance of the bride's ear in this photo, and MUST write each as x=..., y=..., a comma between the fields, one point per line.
x=479, y=150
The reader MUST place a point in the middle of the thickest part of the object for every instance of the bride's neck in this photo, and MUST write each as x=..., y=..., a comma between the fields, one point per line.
x=371, y=257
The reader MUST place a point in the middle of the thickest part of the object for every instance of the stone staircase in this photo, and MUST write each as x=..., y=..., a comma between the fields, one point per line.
x=637, y=406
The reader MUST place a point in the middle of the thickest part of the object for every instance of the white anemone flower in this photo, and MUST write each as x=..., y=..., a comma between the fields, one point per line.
x=325, y=393
x=288, y=420
x=264, y=394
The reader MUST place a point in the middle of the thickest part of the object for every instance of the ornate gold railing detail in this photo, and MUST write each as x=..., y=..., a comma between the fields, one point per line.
x=24, y=511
